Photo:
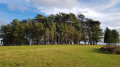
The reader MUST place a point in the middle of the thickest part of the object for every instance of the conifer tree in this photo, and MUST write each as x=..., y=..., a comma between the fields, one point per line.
x=61, y=28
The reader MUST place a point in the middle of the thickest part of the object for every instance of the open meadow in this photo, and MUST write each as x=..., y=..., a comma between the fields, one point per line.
x=57, y=56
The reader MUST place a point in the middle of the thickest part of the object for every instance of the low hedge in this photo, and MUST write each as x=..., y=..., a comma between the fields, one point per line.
x=111, y=49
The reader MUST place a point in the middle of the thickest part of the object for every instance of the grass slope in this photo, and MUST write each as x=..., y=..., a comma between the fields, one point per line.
x=56, y=56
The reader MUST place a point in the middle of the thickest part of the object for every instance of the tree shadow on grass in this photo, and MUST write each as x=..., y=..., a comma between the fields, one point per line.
x=100, y=51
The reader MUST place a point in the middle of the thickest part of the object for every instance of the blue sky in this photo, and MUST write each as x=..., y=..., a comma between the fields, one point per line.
x=106, y=11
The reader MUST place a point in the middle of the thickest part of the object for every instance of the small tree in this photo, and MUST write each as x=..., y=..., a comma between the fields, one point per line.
x=115, y=35
x=111, y=37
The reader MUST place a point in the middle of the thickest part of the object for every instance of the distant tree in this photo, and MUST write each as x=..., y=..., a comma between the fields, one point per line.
x=108, y=36
x=7, y=35
x=40, y=18
x=52, y=33
x=111, y=37
x=115, y=35
x=94, y=31
x=61, y=28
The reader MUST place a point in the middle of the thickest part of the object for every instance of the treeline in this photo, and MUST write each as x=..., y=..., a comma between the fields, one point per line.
x=111, y=37
x=55, y=29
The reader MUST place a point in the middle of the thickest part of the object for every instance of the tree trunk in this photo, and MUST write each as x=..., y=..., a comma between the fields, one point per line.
x=44, y=39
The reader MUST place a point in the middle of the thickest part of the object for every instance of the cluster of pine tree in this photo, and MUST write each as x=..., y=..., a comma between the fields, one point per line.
x=55, y=29
x=111, y=37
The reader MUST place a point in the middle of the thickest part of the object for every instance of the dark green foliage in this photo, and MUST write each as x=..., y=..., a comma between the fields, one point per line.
x=94, y=31
x=115, y=35
x=111, y=37
x=111, y=49
x=55, y=29
x=108, y=36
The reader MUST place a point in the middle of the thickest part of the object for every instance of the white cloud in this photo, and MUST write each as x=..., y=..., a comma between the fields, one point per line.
x=15, y=4
x=90, y=10
x=74, y=6
x=14, y=7
x=114, y=27
x=102, y=10
x=53, y=3
x=56, y=10
x=105, y=4
x=2, y=22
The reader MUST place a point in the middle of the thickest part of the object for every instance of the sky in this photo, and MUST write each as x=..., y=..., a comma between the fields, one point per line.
x=105, y=11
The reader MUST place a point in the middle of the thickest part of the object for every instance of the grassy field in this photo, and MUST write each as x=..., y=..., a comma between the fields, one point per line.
x=56, y=56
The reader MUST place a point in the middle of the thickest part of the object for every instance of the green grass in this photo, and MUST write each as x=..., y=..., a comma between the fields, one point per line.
x=56, y=56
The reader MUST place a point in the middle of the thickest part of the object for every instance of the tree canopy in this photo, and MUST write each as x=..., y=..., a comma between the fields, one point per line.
x=61, y=28
x=111, y=37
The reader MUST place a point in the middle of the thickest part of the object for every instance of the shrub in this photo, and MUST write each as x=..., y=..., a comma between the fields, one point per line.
x=111, y=49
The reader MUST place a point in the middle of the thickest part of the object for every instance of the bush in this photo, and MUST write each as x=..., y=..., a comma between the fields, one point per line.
x=111, y=49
